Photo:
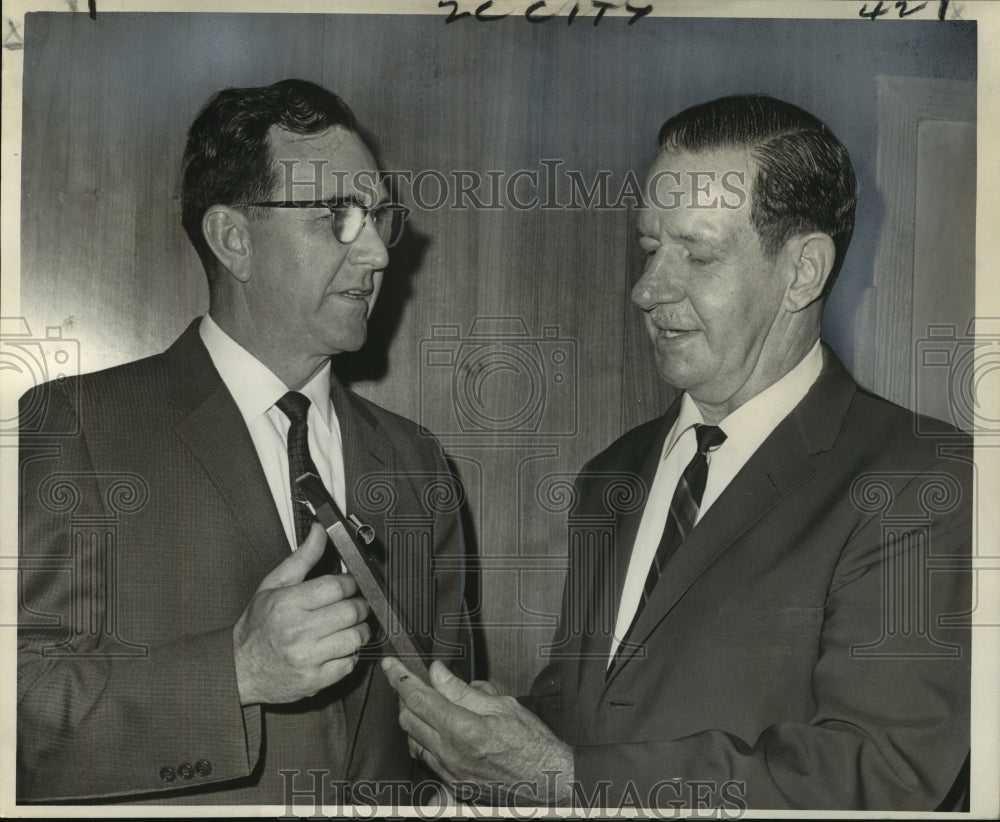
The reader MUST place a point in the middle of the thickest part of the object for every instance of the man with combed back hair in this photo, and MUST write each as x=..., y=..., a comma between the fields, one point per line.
x=778, y=641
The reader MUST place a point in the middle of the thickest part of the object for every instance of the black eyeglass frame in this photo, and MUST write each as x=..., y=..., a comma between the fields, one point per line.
x=339, y=203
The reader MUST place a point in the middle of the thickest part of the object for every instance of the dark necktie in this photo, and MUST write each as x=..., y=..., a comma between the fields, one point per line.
x=295, y=406
x=680, y=518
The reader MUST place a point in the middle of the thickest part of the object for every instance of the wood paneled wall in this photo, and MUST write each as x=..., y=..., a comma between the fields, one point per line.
x=106, y=107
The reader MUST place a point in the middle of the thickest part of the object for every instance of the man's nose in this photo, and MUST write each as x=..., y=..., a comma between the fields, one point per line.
x=369, y=249
x=659, y=283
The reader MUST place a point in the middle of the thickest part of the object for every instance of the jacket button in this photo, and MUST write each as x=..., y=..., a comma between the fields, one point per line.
x=203, y=767
x=348, y=795
x=167, y=774
x=185, y=771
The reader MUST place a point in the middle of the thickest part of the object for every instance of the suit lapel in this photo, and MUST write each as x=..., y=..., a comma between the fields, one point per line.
x=365, y=452
x=642, y=461
x=645, y=460
x=216, y=434
x=769, y=476
x=781, y=464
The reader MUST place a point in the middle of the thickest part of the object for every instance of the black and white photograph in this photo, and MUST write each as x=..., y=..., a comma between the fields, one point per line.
x=473, y=409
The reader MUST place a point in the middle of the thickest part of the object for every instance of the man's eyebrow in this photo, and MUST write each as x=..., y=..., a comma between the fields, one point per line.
x=698, y=238
x=689, y=236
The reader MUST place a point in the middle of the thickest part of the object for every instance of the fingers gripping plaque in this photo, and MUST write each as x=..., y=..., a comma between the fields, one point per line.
x=346, y=534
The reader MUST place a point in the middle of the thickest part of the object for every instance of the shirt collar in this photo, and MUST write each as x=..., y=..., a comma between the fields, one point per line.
x=318, y=391
x=688, y=417
x=254, y=387
x=750, y=424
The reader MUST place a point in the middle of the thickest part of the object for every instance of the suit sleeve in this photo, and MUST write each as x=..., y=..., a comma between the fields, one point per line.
x=97, y=715
x=887, y=732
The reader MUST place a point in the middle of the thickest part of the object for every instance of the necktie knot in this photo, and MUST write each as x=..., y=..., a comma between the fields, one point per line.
x=709, y=437
x=295, y=406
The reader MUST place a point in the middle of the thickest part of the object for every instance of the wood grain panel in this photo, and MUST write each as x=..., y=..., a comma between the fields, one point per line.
x=906, y=102
x=106, y=107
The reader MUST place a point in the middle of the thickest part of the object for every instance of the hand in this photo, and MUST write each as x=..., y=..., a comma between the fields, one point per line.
x=469, y=733
x=296, y=637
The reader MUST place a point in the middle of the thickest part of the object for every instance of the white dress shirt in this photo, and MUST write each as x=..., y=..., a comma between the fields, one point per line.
x=256, y=389
x=745, y=429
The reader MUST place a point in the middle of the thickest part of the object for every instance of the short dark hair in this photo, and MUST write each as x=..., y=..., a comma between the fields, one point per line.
x=804, y=181
x=228, y=156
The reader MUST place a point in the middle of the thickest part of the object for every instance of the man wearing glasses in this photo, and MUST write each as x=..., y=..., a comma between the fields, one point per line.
x=219, y=655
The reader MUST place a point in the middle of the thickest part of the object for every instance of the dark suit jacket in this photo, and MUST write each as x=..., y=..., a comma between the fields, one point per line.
x=804, y=647
x=146, y=526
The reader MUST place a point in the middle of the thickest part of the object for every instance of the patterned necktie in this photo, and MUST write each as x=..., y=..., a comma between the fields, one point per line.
x=680, y=518
x=295, y=406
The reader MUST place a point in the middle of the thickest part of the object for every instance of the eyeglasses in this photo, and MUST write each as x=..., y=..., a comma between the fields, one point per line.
x=349, y=217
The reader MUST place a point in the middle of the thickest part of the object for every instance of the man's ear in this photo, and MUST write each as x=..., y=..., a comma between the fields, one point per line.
x=227, y=234
x=811, y=257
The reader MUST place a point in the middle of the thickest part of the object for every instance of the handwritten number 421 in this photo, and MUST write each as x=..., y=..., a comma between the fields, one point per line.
x=903, y=7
